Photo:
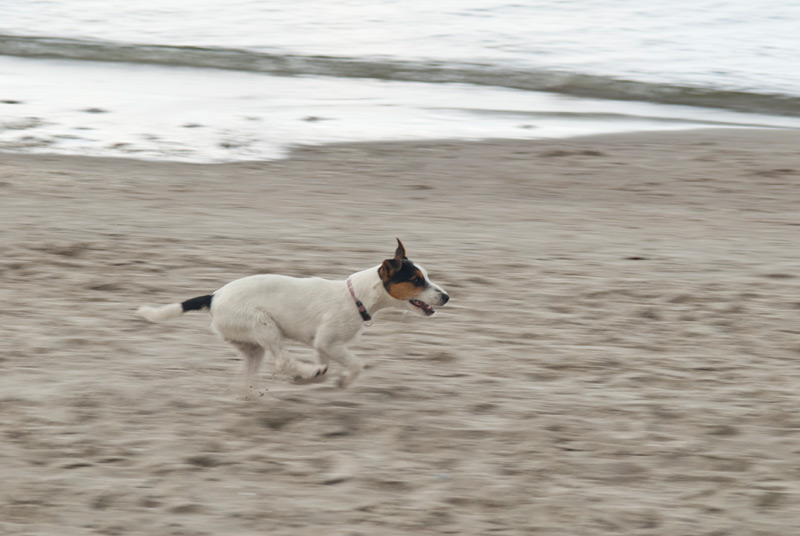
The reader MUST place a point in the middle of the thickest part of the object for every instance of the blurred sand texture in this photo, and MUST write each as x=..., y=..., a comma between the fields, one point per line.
x=621, y=354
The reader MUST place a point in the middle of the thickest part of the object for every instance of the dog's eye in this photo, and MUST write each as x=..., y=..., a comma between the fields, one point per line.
x=417, y=280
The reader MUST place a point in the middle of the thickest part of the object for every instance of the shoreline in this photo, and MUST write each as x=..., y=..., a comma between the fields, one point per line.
x=618, y=355
x=291, y=151
x=124, y=110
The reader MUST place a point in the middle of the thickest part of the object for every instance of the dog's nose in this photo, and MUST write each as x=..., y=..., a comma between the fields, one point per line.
x=445, y=298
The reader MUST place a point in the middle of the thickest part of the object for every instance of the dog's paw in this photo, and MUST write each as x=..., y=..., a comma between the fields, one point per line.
x=315, y=375
x=344, y=380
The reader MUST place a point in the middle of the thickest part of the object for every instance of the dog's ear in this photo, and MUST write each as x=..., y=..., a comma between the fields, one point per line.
x=387, y=270
x=400, y=252
x=392, y=266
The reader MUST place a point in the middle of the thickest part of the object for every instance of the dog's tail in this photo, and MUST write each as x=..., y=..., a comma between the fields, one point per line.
x=165, y=312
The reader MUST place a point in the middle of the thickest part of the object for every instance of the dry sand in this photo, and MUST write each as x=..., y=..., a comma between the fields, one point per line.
x=620, y=354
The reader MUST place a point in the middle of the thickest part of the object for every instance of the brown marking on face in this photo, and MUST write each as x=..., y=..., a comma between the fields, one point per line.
x=405, y=290
x=416, y=275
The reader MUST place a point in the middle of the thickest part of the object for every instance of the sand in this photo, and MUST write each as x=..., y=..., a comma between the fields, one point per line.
x=619, y=356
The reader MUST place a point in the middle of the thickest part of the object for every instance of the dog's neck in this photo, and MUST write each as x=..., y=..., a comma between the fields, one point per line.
x=369, y=289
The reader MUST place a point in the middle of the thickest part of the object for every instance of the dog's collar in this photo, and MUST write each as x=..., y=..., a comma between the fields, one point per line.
x=361, y=309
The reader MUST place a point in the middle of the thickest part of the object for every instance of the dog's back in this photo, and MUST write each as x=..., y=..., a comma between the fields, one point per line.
x=296, y=306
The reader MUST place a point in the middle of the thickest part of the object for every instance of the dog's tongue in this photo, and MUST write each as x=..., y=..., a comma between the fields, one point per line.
x=427, y=309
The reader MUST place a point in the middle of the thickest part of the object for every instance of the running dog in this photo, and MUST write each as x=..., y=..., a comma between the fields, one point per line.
x=257, y=313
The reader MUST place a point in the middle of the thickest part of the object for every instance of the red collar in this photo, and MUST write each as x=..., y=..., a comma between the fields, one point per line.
x=361, y=309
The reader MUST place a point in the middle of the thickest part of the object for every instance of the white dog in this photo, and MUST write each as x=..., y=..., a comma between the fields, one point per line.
x=257, y=313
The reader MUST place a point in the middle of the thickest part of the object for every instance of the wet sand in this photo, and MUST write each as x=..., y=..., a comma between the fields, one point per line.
x=620, y=355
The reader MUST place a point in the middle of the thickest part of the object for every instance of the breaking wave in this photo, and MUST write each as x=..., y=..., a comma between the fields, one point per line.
x=282, y=64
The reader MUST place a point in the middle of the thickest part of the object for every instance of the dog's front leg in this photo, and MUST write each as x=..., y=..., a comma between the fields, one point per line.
x=345, y=357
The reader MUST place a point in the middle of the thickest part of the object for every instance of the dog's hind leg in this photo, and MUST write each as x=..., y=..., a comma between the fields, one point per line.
x=253, y=356
x=342, y=355
x=269, y=336
x=302, y=372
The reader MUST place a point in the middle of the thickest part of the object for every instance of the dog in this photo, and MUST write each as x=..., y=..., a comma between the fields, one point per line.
x=256, y=314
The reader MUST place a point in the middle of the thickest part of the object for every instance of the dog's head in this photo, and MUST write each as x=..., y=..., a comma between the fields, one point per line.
x=408, y=283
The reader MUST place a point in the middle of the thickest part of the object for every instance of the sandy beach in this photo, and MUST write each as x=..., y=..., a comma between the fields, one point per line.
x=619, y=356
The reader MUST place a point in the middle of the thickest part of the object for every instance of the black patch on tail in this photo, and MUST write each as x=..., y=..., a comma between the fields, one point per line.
x=195, y=304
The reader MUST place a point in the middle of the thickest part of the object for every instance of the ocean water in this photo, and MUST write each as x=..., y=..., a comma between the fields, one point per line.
x=212, y=81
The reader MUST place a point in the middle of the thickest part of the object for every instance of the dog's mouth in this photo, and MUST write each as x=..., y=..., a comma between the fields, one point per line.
x=427, y=309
